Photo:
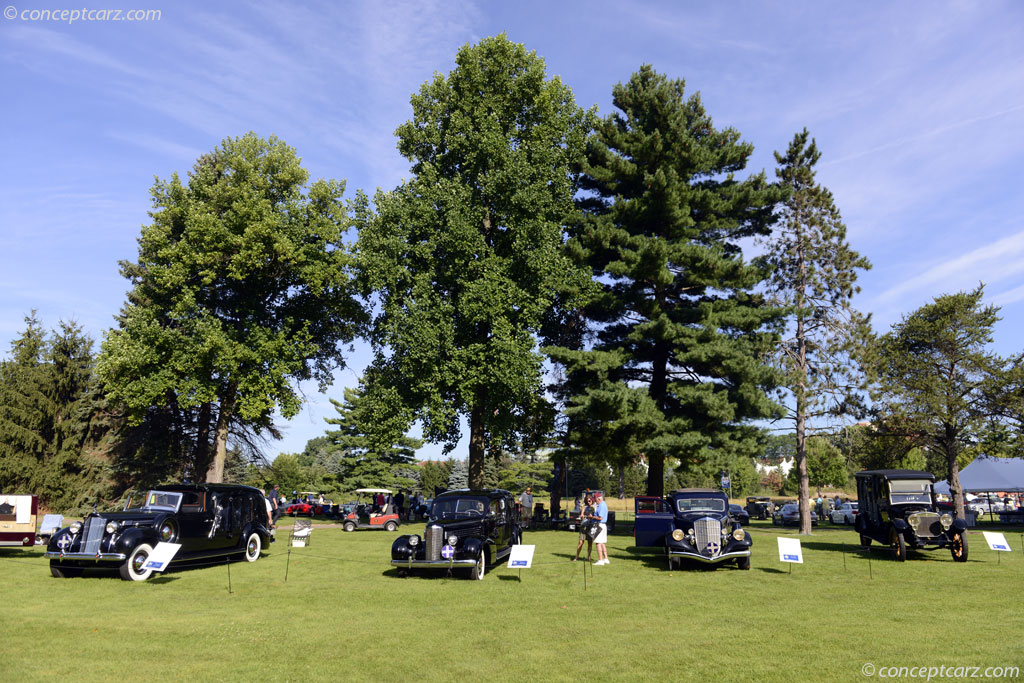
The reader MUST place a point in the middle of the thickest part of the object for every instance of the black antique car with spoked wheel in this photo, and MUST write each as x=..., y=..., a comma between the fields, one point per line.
x=467, y=529
x=206, y=520
x=897, y=508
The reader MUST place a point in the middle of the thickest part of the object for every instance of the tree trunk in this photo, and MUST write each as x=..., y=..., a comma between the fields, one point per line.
x=622, y=482
x=215, y=475
x=201, y=452
x=657, y=390
x=954, y=484
x=804, y=491
x=477, y=440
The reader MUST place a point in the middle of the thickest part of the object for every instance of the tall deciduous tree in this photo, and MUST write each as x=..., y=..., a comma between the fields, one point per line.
x=665, y=215
x=241, y=289
x=467, y=256
x=937, y=374
x=814, y=275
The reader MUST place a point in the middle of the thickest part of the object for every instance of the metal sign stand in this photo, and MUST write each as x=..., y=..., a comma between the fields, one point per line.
x=287, y=563
x=229, y=579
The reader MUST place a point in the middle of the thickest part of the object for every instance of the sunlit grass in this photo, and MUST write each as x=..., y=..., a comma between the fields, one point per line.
x=343, y=614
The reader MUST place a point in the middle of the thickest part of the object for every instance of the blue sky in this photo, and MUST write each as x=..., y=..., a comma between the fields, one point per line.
x=918, y=108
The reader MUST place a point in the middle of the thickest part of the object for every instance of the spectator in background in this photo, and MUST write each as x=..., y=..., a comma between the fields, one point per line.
x=586, y=515
x=601, y=513
x=270, y=514
x=400, y=504
x=275, y=504
x=526, y=500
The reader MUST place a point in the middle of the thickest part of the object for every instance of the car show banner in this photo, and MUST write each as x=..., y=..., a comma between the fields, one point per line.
x=162, y=555
x=790, y=550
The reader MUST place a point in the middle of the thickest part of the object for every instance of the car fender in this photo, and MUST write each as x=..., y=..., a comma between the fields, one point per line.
x=474, y=546
x=960, y=524
x=900, y=525
x=134, y=536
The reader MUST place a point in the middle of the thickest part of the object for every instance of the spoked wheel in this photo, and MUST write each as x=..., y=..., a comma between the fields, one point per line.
x=132, y=568
x=478, y=571
x=252, y=547
x=959, y=547
x=64, y=572
x=897, y=546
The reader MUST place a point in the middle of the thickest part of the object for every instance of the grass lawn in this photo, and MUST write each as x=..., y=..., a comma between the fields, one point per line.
x=343, y=614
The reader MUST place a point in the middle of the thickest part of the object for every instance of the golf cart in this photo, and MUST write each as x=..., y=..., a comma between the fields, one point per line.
x=369, y=515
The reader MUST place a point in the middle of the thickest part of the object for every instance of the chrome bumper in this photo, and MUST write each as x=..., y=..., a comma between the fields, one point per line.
x=709, y=560
x=99, y=557
x=439, y=564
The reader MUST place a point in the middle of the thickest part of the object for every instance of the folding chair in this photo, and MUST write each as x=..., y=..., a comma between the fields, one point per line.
x=301, y=533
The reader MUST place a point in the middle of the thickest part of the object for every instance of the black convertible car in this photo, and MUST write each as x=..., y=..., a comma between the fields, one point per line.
x=207, y=520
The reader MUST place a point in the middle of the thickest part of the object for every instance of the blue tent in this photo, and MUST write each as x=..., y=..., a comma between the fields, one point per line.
x=990, y=474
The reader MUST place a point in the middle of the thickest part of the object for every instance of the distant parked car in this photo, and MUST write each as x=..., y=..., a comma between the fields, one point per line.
x=844, y=514
x=18, y=519
x=739, y=514
x=759, y=507
x=789, y=514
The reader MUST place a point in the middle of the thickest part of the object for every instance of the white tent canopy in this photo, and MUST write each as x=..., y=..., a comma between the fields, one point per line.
x=987, y=473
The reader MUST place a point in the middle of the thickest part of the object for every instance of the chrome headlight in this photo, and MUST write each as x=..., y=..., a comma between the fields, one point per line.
x=739, y=534
x=112, y=527
x=677, y=535
x=452, y=540
x=914, y=520
x=689, y=532
x=946, y=519
x=75, y=527
x=414, y=541
x=725, y=527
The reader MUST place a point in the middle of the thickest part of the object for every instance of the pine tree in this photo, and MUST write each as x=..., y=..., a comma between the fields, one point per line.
x=814, y=274
x=459, y=477
x=26, y=410
x=677, y=315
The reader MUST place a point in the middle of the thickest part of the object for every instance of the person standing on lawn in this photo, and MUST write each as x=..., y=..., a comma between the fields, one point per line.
x=601, y=513
x=586, y=514
x=275, y=505
x=526, y=500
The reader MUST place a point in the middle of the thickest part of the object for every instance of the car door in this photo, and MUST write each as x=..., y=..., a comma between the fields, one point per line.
x=654, y=519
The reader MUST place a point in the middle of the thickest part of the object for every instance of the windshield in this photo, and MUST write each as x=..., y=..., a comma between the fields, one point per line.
x=451, y=508
x=910, y=491
x=694, y=504
x=153, y=500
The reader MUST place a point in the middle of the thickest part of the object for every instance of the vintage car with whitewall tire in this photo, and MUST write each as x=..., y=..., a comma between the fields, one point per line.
x=692, y=525
x=466, y=529
x=898, y=508
x=208, y=520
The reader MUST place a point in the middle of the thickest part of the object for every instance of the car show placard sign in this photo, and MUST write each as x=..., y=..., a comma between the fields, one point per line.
x=996, y=541
x=521, y=557
x=162, y=555
x=790, y=550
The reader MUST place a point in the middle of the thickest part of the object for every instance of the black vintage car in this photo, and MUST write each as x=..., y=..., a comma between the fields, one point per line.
x=898, y=509
x=759, y=507
x=467, y=529
x=692, y=524
x=207, y=520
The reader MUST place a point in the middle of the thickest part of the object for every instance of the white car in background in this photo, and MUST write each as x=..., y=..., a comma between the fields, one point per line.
x=844, y=514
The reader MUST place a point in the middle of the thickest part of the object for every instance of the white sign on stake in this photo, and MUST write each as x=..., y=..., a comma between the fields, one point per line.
x=521, y=557
x=790, y=550
x=161, y=556
x=997, y=541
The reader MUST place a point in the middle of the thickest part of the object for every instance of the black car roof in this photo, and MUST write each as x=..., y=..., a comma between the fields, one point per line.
x=701, y=491
x=490, y=493
x=898, y=474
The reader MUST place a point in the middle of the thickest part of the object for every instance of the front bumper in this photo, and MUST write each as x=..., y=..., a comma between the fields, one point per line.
x=709, y=560
x=98, y=557
x=433, y=564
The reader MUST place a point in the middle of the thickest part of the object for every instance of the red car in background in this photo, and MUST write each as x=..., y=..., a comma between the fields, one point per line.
x=305, y=505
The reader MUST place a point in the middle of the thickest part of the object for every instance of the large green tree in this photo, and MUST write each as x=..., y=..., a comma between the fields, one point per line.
x=937, y=374
x=26, y=409
x=240, y=290
x=665, y=216
x=814, y=275
x=467, y=256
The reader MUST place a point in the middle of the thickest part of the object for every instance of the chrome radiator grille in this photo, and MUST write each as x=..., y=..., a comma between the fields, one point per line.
x=929, y=525
x=92, y=534
x=434, y=539
x=707, y=532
